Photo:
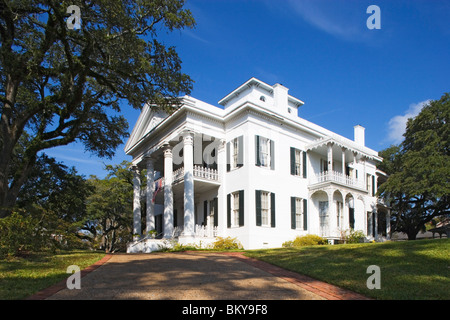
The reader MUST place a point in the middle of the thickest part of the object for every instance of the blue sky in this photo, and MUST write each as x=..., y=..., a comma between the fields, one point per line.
x=323, y=52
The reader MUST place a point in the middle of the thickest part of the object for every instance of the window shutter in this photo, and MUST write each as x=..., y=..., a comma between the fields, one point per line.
x=216, y=212
x=241, y=208
x=175, y=218
x=272, y=155
x=293, y=161
x=305, y=214
x=293, y=224
x=240, y=158
x=205, y=212
x=373, y=186
x=304, y=164
x=228, y=157
x=258, y=160
x=258, y=207
x=272, y=209
x=229, y=210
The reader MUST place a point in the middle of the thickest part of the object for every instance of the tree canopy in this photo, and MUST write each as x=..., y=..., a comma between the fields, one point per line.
x=418, y=187
x=61, y=85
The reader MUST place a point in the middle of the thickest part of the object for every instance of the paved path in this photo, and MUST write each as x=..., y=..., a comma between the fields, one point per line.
x=193, y=276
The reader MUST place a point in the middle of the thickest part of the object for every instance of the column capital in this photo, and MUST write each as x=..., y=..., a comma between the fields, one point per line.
x=135, y=169
x=221, y=144
x=167, y=152
x=188, y=138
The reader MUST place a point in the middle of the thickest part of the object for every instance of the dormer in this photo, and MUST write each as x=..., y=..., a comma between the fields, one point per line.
x=273, y=98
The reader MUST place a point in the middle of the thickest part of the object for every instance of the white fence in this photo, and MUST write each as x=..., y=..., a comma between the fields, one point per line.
x=205, y=231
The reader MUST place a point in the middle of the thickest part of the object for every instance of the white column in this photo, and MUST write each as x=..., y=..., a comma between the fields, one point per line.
x=136, y=203
x=343, y=162
x=222, y=196
x=188, y=160
x=168, y=194
x=150, y=225
x=330, y=156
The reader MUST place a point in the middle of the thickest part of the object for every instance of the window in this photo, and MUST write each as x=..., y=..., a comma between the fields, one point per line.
x=323, y=214
x=265, y=152
x=339, y=209
x=298, y=162
x=265, y=208
x=235, y=209
x=299, y=213
x=235, y=153
x=371, y=184
x=323, y=165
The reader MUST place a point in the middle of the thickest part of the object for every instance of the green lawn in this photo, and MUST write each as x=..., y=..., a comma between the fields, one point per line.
x=409, y=269
x=22, y=277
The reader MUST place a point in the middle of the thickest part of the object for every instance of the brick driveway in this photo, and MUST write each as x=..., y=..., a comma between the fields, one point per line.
x=193, y=276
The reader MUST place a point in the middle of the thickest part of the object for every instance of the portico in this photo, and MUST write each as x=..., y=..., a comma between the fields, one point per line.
x=169, y=196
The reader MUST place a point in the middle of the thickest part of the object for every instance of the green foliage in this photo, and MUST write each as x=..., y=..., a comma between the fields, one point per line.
x=307, y=240
x=227, y=243
x=20, y=234
x=418, y=186
x=109, y=207
x=354, y=236
x=63, y=85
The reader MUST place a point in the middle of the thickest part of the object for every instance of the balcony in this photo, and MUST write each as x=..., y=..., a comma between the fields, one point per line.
x=200, y=174
x=326, y=177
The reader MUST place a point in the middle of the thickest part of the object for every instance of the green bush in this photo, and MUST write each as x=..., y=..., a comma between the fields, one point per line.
x=20, y=233
x=307, y=240
x=227, y=243
x=354, y=236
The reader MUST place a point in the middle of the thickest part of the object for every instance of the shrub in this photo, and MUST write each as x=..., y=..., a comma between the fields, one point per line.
x=355, y=236
x=20, y=233
x=227, y=243
x=307, y=240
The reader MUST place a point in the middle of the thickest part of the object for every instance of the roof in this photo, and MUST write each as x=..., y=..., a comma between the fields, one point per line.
x=257, y=83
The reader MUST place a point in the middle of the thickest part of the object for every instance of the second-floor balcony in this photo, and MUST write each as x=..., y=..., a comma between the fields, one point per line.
x=325, y=177
x=199, y=173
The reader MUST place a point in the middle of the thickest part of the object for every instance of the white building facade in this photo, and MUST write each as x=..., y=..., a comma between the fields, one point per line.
x=253, y=170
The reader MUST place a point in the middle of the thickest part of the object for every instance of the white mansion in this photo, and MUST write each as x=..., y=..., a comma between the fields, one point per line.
x=253, y=170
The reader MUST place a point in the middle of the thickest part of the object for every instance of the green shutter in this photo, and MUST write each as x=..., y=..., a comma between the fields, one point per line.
x=272, y=209
x=293, y=224
x=293, y=161
x=228, y=157
x=216, y=212
x=373, y=186
x=304, y=164
x=229, y=210
x=205, y=211
x=305, y=214
x=258, y=160
x=241, y=208
x=258, y=207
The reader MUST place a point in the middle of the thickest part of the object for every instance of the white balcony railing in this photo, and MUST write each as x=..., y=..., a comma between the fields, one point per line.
x=199, y=172
x=337, y=177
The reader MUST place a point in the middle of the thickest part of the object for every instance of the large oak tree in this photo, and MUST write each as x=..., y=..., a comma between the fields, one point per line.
x=61, y=85
x=418, y=187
